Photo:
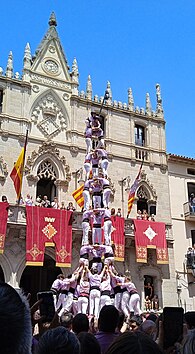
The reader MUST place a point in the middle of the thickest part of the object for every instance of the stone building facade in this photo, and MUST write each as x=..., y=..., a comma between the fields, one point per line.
x=182, y=187
x=46, y=100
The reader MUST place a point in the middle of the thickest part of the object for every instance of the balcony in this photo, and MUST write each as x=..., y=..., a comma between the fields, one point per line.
x=188, y=213
x=17, y=220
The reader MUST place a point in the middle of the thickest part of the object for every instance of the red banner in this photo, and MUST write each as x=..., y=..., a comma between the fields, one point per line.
x=150, y=234
x=48, y=227
x=3, y=224
x=118, y=237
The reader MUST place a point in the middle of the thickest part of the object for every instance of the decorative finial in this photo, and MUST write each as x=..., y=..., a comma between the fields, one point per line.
x=130, y=100
x=109, y=91
x=9, y=69
x=89, y=88
x=52, y=20
x=75, y=71
x=159, y=108
x=148, y=105
x=27, y=52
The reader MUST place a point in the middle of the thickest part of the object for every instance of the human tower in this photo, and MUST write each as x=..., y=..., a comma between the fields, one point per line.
x=95, y=283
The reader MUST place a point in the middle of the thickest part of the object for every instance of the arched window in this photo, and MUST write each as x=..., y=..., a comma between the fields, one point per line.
x=142, y=202
x=47, y=176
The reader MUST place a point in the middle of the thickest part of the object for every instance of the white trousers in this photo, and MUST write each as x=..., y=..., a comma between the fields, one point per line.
x=96, y=201
x=107, y=232
x=104, y=166
x=134, y=304
x=75, y=307
x=109, y=260
x=94, y=301
x=89, y=144
x=86, y=197
x=106, y=197
x=104, y=300
x=87, y=167
x=97, y=235
x=117, y=301
x=84, y=261
x=83, y=303
x=62, y=298
x=95, y=171
x=69, y=302
x=125, y=303
x=86, y=228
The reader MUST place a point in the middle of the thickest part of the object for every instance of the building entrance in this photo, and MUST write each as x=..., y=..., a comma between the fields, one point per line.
x=35, y=279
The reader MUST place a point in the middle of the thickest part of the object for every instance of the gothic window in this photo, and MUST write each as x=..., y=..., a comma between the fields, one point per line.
x=47, y=176
x=139, y=135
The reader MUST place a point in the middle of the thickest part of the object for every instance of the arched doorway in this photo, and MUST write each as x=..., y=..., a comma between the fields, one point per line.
x=35, y=279
x=47, y=177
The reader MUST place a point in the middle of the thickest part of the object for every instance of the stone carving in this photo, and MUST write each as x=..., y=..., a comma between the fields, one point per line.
x=89, y=88
x=3, y=169
x=48, y=116
x=46, y=170
x=52, y=49
x=50, y=149
x=36, y=88
x=144, y=185
x=148, y=105
x=130, y=100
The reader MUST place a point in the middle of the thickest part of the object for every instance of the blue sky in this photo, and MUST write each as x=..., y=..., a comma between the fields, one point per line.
x=131, y=43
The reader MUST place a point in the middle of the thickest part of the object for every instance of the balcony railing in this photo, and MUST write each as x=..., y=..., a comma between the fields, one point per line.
x=17, y=217
x=189, y=213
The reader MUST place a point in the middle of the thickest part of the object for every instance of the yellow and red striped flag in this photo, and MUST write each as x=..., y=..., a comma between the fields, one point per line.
x=133, y=189
x=17, y=172
x=78, y=196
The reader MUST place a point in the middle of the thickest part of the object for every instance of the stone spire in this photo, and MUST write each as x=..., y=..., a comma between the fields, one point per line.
x=75, y=77
x=130, y=100
x=108, y=89
x=9, y=69
x=148, y=105
x=52, y=20
x=159, y=108
x=27, y=61
x=89, y=88
x=27, y=57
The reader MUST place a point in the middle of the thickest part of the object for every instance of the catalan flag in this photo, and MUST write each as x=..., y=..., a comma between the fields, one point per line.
x=78, y=196
x=17, y=172
x=133, y=189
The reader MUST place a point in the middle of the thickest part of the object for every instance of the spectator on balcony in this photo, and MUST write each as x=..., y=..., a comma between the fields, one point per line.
x=45, y=202
x=4, y=199
x=113, y=212
x=38, y=201
x=62, y=207
x=151, y=217
x=155, y=303
x=28, y=200
x=192, y=202
x=55, y=204
x=139, y=215
x=119, y=212
x=70, y=206
x=20, y=201
x=145, y=215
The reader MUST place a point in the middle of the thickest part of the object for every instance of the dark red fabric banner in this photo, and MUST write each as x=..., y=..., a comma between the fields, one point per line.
x=118, y=237
x=48, y=227
x=3, y=224
x=150, y=234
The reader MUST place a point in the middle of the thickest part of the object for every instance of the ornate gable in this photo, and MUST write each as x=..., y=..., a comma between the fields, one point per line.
x=50, y=59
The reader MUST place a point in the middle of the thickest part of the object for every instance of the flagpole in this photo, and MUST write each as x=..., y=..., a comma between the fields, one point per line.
x=22, y=170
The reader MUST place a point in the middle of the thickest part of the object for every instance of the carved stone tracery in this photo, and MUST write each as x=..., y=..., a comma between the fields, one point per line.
x=3, y=169
x=146, y=189
x=46, y=168
x=49, y=116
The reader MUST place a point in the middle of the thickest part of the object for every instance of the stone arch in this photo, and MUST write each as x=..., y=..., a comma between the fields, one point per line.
x=147, y=193
x=49, y=114
x=47, y=151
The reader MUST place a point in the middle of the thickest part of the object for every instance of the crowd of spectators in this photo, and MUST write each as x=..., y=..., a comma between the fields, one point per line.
x=68, y=334
x=143, y=215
